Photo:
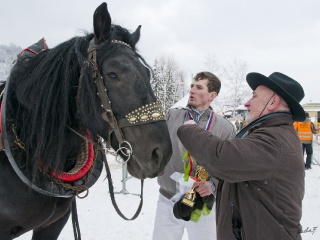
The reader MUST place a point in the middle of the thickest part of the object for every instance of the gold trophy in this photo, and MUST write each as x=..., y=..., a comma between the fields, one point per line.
x=190, y=197
x=201, y=173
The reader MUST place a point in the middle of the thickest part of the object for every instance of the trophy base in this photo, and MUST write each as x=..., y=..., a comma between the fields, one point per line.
x=188, y=202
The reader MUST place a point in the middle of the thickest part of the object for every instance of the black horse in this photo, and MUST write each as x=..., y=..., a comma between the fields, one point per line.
x=56, y=106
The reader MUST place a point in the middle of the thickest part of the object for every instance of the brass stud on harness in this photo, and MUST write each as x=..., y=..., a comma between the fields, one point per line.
x=120, y=42
x=149, y=112
x=133, y=119
x=144, y=117
x=155, y=115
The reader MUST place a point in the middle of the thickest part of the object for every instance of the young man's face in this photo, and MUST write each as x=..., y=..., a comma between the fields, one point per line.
x=199, y=96
x=256, y=105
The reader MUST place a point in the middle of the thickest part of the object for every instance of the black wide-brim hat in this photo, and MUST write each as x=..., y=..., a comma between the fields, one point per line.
x=290, y=90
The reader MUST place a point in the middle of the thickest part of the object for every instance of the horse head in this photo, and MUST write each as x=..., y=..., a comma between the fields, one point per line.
x=126, y=112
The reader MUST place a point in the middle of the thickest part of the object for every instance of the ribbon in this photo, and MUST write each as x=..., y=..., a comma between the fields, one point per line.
x=186, y=157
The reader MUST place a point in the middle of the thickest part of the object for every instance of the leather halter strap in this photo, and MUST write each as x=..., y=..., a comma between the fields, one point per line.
x=102, y=93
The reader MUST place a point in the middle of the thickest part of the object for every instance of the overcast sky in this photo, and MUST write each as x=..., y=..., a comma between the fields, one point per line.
x=270, y=35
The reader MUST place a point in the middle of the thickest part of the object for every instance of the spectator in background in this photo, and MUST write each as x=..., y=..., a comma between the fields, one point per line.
x=243, y=124
x=237, y=125
x=305, y=132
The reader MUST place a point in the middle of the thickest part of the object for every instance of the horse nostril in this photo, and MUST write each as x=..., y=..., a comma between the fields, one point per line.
x=155, y=155
x=158, y=158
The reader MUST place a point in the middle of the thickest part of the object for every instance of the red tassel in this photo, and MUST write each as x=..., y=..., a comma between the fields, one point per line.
x=190, y=162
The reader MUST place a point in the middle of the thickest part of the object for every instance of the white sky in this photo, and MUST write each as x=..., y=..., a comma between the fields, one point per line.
x=270, y=35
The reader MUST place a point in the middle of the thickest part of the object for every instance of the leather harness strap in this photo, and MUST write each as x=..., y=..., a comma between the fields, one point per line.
x=102, y=93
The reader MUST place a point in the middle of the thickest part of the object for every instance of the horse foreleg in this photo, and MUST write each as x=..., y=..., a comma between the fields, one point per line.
x=52, y=231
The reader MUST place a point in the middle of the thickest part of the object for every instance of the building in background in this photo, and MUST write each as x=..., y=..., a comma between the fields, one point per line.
x=314, y=112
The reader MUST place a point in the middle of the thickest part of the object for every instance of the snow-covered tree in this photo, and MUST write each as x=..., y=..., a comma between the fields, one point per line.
x=158, y=82
x=211, y=63
x=168, y=81
x=8, y=54
x=235, y=77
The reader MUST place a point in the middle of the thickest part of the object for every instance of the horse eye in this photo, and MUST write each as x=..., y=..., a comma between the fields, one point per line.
x=112, y=75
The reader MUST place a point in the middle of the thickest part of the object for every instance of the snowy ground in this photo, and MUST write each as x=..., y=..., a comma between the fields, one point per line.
x=99, y=221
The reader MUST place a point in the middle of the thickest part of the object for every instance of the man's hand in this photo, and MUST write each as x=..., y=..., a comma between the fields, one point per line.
x=203, y=188
x=189, y=122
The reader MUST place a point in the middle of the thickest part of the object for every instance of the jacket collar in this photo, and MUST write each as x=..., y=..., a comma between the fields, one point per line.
x=268, y=120
x=195, y=114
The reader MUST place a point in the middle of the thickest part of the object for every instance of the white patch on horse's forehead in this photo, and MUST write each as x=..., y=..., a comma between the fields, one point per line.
x=144, y=64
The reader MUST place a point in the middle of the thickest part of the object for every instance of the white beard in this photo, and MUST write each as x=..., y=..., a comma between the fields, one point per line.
x=249, y=118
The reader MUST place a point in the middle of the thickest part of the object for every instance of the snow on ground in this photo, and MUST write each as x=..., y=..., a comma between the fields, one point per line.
x=99, y=221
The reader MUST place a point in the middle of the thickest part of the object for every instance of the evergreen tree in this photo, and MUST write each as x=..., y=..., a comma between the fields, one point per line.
x=166, y=81
x=8, y=54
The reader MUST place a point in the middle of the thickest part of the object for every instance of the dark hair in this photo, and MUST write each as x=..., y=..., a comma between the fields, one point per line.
x=214, y=83
x=307, y=114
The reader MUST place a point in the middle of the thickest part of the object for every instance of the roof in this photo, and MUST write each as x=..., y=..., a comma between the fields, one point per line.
x=182, y=102
x=311, y=106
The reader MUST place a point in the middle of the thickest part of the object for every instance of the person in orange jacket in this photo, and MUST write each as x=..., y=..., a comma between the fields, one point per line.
x=305, y=132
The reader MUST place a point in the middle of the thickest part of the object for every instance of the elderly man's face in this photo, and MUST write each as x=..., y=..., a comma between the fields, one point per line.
x=256, y=105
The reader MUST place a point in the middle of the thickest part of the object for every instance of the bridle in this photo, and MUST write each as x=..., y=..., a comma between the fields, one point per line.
x=151, y=112
x=148, y=113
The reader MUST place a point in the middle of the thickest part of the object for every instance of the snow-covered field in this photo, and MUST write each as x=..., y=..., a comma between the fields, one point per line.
x=99, y=221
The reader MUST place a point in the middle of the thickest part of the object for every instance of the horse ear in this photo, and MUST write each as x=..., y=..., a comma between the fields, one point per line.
x=101, y=23
x=135, y=36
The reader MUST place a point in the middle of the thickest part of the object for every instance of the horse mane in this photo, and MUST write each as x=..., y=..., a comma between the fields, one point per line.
x=43, y=99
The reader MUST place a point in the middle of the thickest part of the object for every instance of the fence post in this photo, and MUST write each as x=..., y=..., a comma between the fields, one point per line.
x=125, y=176
x=124, y=179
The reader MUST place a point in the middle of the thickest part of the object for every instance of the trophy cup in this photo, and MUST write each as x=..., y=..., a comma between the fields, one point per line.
x=201, y=173
x=190, y=197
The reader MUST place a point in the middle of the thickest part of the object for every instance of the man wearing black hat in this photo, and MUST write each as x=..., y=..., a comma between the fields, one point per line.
x=261, y=170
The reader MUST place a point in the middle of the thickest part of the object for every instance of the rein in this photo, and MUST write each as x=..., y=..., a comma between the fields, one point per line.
x=111, y=188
